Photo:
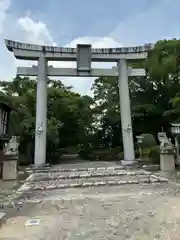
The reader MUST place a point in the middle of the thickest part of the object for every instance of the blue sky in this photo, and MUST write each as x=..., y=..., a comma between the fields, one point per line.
x=104, y=23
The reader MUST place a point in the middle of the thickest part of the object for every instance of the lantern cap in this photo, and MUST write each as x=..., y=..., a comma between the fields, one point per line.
x=139, y=137
x=175, y=128
x=175, y=124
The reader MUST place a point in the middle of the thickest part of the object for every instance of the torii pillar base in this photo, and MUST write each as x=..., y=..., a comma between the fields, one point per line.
x=129, y=163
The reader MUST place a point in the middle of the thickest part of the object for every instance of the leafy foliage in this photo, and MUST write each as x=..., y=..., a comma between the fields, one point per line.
x=154, y=154
x=148, y=140
x=68, y=114
x=155, y=98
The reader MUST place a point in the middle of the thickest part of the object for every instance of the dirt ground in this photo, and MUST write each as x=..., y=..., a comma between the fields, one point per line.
x=149, y=211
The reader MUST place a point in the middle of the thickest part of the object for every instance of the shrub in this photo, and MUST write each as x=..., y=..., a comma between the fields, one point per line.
x=104, y=155
x=54, y=157
x=23, y=160
x=145, y=152
x=117, y=149
x=154, y=154
x=85, y=153
x=120, y=156
x=148, y=140
x=101, y=154
x=137, y=153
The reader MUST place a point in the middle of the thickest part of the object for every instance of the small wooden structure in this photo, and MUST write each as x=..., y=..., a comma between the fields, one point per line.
x=4, y=119
x=4, y=123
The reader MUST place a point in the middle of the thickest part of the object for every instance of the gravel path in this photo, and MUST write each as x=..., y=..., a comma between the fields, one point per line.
x=128, y=211
x=149, y=211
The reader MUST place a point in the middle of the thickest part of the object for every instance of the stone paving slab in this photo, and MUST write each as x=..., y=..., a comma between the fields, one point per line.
x=64, y=180
x=136, y=212
x=93, y=177
x=90, y=172
x=60, y=169
x=89, y=182
x=82, y=178
x=83, y=165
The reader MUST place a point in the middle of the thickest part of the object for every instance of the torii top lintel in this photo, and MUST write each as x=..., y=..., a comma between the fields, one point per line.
x=32, y=52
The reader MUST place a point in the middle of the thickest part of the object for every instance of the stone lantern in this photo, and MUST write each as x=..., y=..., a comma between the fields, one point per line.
x=167, y=153
x=175, y=130
x=140, y=141
x=9, y=146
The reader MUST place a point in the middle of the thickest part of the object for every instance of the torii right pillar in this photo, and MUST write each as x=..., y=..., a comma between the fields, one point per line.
x=41, y=113
x=125, y=109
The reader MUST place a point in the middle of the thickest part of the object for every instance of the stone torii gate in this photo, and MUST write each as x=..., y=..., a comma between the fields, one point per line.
x=84, y=55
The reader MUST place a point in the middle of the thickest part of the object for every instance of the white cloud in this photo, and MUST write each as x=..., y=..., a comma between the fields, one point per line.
x=35, y=32
x=38, y=33
x=150, y=25
x=4, y=5
x=25, y=29
x=97, y=42
x=158, y=22
x=83, y=85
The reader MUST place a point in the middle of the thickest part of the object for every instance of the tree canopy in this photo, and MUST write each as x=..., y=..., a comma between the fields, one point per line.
x=155, y=98
x=68, y=114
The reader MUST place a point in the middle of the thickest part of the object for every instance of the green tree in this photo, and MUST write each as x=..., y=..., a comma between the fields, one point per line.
x=68, y=113
x=154, y=98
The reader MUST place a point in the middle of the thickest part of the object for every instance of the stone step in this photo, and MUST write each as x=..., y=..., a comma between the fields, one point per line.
x=90, y=182
x=53, y=169
x=60, y=169
x=98, y=173
x=126, y=177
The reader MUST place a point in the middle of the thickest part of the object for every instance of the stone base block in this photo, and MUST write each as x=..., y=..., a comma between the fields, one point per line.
x=129, y=162
x=35, y=167
x=10, y=170
x=167, y=163
x=39, y=165
x=151, y=167
x=2, y=218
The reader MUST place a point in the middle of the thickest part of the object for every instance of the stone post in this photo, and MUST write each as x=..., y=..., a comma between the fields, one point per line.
x=41, y=113
x=177, y=149
x=125, y=110
x=167, y=163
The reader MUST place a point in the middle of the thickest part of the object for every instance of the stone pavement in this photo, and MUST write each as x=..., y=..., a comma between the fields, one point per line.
x=127, y=206
x=50, y=179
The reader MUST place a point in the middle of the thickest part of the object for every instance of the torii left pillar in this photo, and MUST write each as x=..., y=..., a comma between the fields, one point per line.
x=125, y=109
x=41, y=113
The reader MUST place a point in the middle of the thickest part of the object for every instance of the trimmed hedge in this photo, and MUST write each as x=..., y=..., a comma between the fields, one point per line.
x=154, y=154
x=101, y=154
x=148, y=140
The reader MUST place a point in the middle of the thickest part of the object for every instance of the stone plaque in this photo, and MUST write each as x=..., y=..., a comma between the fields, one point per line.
x=83, y=57
x=162, y=137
